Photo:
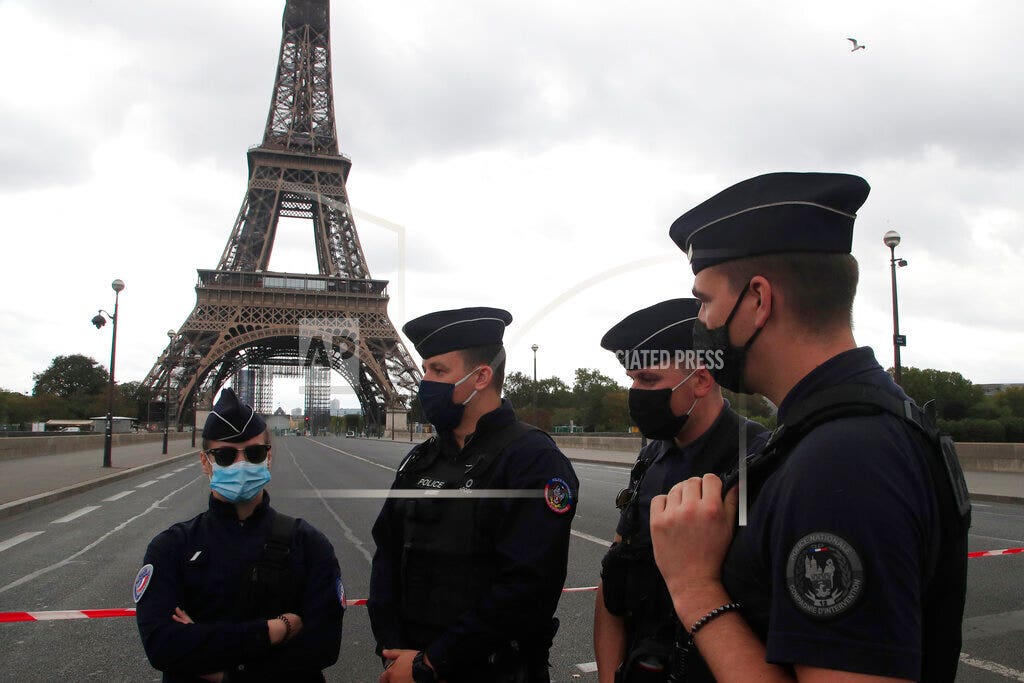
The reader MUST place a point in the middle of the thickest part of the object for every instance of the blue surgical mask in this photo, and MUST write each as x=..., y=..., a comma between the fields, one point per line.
x=240, y=481
x=436, y=401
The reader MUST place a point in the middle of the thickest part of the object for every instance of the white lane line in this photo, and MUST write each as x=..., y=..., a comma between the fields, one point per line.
x=11, y=542
x=587, y=667
x=349, y=534
x=118, y=496
x=993, y=667
x=592, y=539
x=352, y=455
x=72, y=557
x=76, y=514
x=145, y=484
x=169, y=474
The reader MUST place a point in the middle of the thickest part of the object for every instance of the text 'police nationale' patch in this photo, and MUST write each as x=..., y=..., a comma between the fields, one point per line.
x=558, y=495
x=824, y=575
x=142, y=580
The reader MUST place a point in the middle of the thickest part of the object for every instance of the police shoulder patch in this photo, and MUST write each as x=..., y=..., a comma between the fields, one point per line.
x=558, y=495
x=824, y=575
x=340, y=588
x=142, y=580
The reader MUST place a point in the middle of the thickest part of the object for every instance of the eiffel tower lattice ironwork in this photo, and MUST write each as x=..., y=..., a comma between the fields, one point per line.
x=248, y=317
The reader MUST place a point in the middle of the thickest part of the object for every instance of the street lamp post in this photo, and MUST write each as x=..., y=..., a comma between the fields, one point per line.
x=891, y=239
x=196, y=358
x=167, y=389
x=99, y=321
x=534, y=349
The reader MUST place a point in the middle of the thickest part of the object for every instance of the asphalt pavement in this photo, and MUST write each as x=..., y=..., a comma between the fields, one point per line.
x=80, y=550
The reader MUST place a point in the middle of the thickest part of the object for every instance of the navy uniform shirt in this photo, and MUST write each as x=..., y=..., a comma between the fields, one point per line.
x=198, y=566
x=531, y=548
x=673, y=464
x=833, y=563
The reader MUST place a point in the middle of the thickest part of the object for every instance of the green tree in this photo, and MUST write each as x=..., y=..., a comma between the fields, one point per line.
x=68, y=376
x=588, y=393
x=15, y=408
x=1011, y=400
x=954, y=395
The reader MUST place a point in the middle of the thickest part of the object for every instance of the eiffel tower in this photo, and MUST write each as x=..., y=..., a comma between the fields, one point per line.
x=250, y=324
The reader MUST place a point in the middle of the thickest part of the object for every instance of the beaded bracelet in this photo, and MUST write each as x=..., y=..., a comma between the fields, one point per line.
x=713, y=614
x=287, y=627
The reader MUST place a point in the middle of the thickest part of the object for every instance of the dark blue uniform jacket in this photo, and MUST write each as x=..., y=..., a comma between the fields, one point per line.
x=198, y=566
x=530, y=547
x=841, y=541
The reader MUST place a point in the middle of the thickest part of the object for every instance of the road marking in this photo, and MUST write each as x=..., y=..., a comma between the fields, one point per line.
x=592, y=539
x=11, y=542
x=118, y=496
x=587, y=668
x=148, y=483
x=980, y=505
x=72, y=557
x=353, y=455
x=169, y=474
x=349, y=534
x=993, y=667
x=76, y=514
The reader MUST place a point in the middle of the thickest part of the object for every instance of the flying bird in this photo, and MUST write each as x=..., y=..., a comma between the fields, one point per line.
x=856, y=45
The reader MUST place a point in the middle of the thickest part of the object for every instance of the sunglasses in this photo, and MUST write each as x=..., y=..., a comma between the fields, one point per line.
x=225, y=456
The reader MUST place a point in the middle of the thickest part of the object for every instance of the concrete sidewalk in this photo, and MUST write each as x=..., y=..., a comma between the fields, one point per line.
x=30, y=481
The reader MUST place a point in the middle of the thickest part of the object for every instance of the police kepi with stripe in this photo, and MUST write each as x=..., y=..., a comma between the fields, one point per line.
x=774, y=213
x=441, y=332
x=232, y=420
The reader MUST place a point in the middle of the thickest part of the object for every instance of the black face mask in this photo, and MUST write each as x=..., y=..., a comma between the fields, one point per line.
x=731, y=360
x=650, y=409
x=436, y=402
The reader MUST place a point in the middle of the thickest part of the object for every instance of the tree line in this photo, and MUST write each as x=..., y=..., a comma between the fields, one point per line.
x=72, y=387
x=75, y=387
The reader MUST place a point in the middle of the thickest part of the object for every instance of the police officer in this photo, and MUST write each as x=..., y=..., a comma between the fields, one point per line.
x=465, y=580
x=853, y=560
x=675, y=403
x=239, y=592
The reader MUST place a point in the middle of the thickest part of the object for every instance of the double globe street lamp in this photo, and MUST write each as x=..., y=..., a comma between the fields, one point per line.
x=99, y=321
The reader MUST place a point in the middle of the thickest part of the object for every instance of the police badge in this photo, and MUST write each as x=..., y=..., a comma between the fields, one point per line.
x=824, y=575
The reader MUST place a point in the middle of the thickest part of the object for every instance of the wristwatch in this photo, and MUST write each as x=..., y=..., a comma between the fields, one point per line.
x=421, y=671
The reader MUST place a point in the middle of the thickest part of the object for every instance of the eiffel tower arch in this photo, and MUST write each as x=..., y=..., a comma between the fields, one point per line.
x=250, y=324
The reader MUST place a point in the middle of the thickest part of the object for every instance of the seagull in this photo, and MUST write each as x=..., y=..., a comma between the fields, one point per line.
x=856, y=45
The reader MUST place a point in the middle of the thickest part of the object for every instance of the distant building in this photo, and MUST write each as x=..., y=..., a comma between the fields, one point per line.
x=120, y=425
x=278, y=423
x=296, y=412
x=992, y=389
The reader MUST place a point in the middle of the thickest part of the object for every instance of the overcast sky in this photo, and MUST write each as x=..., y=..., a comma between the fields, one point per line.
x=531, y=150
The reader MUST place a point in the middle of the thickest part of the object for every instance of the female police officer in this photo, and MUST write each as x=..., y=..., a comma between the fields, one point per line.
x=239, y=592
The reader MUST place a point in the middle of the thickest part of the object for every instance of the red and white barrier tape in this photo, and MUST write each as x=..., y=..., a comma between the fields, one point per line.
x=993, y=553
x=9, y=617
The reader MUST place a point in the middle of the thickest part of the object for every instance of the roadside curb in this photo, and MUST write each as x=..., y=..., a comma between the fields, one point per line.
x=16, y=506
x=993, y=498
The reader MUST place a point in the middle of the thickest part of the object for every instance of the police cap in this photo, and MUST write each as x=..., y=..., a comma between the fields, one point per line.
x=655, y=335
x=442, y=331
x=232, y=421
x=772, y=214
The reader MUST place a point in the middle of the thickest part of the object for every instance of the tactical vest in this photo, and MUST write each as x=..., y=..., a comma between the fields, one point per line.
x=448, y=560
x=269, y=587
x=942, y=601
x=631, y=583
